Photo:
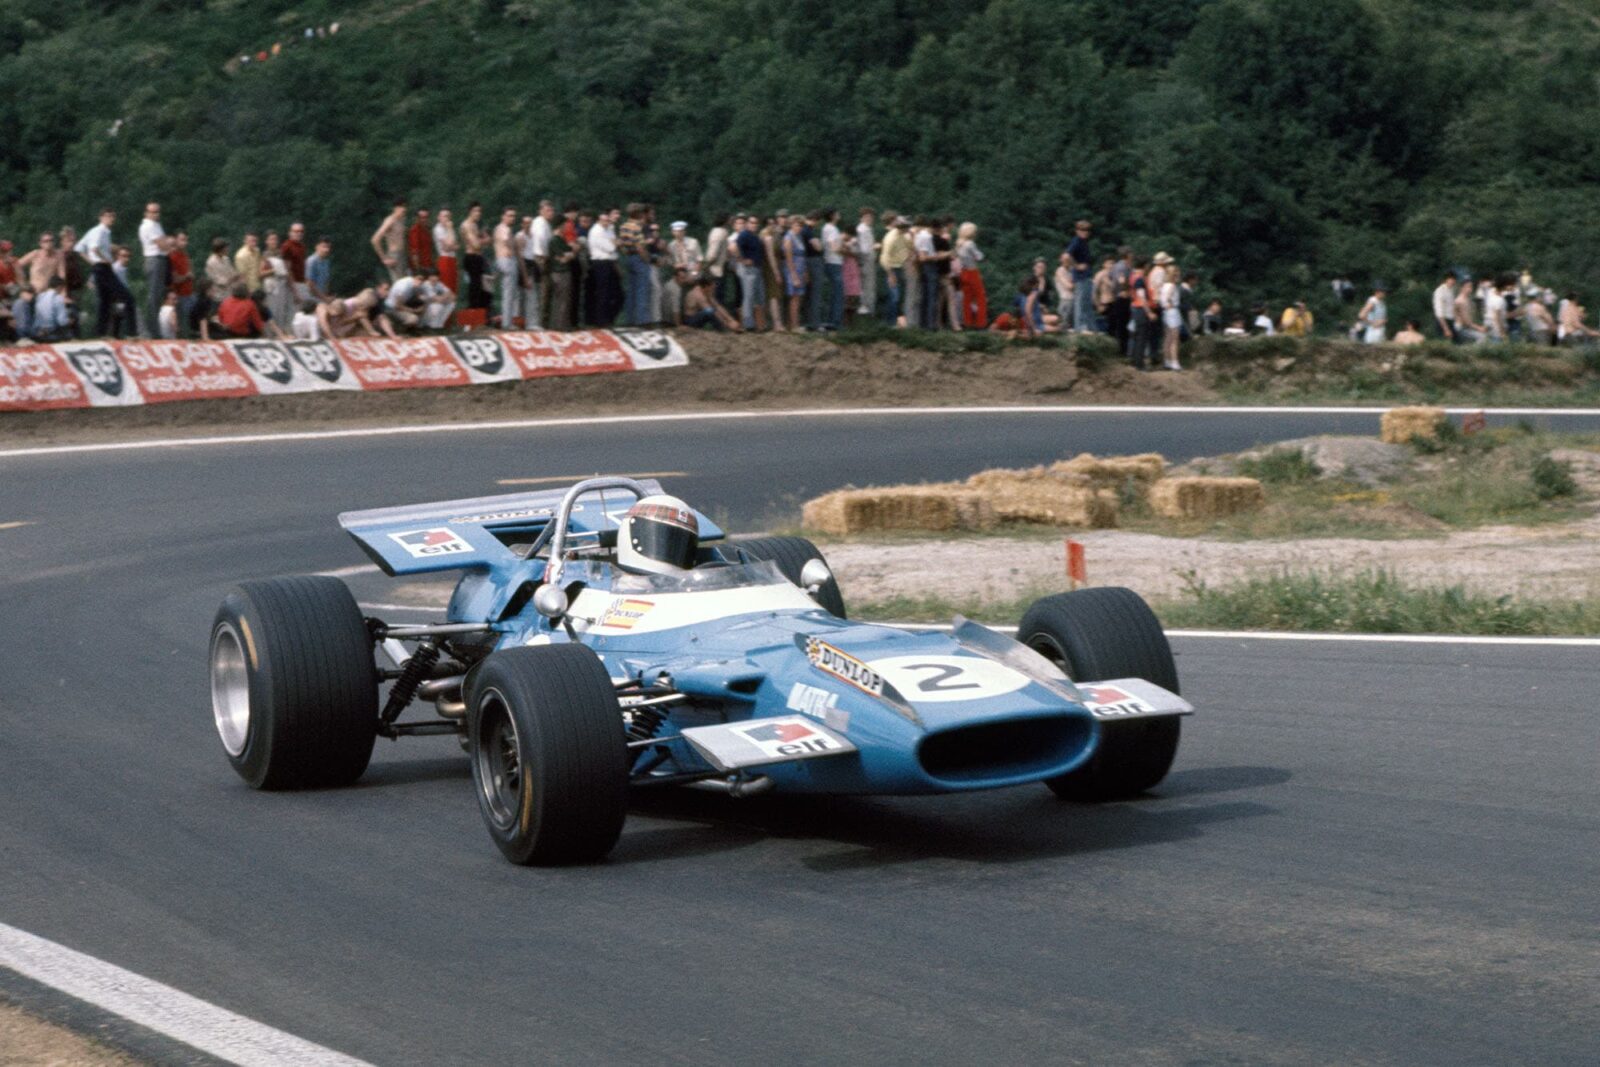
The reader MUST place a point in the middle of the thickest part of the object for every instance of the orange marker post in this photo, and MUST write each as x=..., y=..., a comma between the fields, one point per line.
x=1077, y=574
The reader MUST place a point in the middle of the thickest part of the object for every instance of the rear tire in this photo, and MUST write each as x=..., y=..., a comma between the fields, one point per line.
x=294, y=690
x=549, y=757
x=1096, y=635
x=791, y=554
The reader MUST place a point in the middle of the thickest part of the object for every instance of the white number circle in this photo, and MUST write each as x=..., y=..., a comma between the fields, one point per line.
x=932, y=679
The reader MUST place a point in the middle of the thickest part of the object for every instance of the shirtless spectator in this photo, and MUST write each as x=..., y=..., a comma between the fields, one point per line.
x=508, y=268
x=43, y=263
x=352, y=315
x=473, y=243
x=1571, y=328
x=701, y=310
x=389, y=240
x=1467, y=329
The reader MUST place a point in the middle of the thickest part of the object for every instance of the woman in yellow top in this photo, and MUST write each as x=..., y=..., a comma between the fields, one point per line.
x=1297, y=321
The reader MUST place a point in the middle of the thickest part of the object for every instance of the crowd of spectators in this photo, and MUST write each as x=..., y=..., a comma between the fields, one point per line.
x=579, y=269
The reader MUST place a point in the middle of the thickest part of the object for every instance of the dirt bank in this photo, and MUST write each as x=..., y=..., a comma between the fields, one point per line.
x=725, y=372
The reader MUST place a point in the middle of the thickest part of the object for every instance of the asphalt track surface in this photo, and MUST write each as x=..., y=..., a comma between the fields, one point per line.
x=1384, y=854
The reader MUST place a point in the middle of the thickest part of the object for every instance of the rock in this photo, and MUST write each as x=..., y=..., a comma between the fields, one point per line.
x=1357, y=459
x=1282, y=364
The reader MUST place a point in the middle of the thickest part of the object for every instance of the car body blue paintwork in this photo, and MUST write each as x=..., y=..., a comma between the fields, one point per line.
x=742, y=643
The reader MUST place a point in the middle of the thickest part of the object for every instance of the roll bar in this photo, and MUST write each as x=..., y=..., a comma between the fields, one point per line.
x=555, y=532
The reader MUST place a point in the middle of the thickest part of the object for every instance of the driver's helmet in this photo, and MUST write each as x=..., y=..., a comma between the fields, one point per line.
x=658, y=535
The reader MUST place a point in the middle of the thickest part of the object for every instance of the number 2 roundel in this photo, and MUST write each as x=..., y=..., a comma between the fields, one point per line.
x=932, y=679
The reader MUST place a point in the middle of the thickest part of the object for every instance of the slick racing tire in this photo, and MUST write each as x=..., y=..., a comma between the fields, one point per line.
x=294, y=690
x=791, y=554
x=549, y=758
x=1098, y=634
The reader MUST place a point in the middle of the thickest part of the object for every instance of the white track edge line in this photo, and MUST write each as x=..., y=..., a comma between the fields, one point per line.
x=701, y=416
x=1231, y=635
x=168, y=1011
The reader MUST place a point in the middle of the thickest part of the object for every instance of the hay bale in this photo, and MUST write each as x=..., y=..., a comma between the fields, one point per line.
x=1205, y=498
x=1112, y=472
x=1038, y=496
x=901, y=507
x=1402, y=424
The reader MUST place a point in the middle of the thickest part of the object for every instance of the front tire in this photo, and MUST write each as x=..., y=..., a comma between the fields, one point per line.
x=294, y=690
x=549, y=757
x=1096, y=635
x=791, y=554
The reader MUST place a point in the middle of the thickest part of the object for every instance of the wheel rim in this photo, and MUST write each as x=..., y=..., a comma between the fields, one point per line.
x=230, y=689
x=1050, y=649
x=499, y=762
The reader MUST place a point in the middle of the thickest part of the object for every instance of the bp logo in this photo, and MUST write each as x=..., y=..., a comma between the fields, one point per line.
x=318, y=358
x=651, y=343
x=483, y=354
x=98, y=366
x=266, y=359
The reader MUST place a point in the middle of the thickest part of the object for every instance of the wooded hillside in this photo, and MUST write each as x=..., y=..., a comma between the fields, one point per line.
x=1270, y=144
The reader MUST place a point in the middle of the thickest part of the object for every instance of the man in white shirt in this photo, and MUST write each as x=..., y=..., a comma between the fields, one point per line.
x=1444, y=307
x=154, y=244
x=603, y=264
x=867, y=259
x=928, y=275
x=833, y=267
x=95, y=246
x=539, y=250
x=405, y=304
x=437, y=301
x=305, y=326
x=1494, y=311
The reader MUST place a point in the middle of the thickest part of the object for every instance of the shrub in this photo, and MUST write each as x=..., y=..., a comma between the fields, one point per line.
x=1281, y=466
x=1552, y=478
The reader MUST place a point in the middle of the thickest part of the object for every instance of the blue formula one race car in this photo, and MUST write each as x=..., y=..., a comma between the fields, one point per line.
x=607, y=637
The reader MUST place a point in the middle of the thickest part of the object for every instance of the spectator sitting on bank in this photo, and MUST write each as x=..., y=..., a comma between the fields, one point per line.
x=1537, y=323
x=1236, y=329
x=305, y=326
x=16, y=319
x=405, y=303
x=1261, y=323
x=439, y=302
x=1410, y=335
x=239, y=316
x=1211, y=321
x=53, y=313
x=351, y=315
x=167, y=317
x=701, y=310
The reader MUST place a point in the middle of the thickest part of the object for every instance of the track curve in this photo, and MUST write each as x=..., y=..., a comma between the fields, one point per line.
x=1383, y=854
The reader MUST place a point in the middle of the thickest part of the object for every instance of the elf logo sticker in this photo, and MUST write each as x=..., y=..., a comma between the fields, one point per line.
x=318, y=358
x=426, y=544
x=791, y=737
x=266, y=359
x=1110, y=702
x=99, y=366
x=483, y=354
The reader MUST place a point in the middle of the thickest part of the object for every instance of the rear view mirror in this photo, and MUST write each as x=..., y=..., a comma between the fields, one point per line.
x=814, y=575
x=550, y=601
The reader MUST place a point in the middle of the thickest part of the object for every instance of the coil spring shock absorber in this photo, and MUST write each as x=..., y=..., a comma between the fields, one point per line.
x=644, y=723
x=412, y=674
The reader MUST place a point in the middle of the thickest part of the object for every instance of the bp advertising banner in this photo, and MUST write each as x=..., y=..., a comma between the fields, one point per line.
x=80, y=374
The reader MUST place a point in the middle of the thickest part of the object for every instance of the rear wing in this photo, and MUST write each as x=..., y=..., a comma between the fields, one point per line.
x=476, y=533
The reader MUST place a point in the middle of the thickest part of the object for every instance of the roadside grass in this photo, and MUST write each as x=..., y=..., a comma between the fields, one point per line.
x=1372, y=601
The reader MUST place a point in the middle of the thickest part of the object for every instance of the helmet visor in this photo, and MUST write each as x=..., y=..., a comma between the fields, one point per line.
x=665, y=542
